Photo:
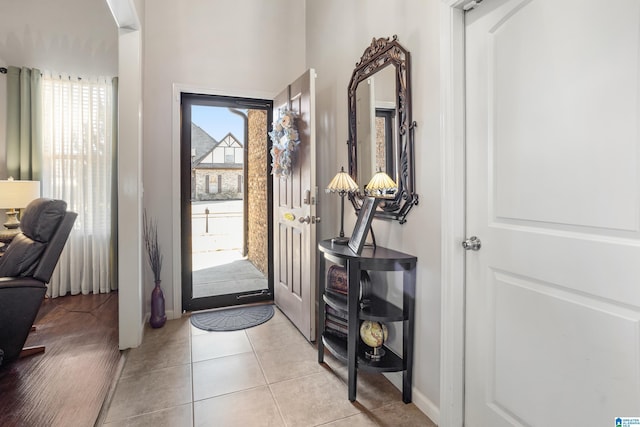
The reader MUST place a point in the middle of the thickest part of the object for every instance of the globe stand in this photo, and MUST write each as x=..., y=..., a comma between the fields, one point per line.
x=375, y=355
x=373, y=335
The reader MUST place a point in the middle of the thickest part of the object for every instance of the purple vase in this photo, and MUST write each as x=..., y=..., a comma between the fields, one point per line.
x=158, y=316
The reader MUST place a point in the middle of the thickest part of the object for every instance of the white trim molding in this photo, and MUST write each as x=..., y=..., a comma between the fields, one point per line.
x=452, y=380
x=124, y=13
x=130, y=299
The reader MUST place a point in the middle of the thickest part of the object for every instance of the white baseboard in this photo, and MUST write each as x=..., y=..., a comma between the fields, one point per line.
x=425, y=405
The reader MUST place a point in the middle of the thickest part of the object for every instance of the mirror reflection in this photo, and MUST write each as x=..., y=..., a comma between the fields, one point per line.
x=376, y=111
x=380, y=126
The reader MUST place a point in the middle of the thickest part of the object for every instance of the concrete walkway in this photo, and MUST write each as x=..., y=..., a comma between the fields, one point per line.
x=218, y=265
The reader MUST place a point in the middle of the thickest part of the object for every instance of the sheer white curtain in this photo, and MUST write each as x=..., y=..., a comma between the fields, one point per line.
x=77, y=167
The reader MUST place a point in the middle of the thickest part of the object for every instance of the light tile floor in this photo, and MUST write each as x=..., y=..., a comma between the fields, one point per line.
x=263, y=376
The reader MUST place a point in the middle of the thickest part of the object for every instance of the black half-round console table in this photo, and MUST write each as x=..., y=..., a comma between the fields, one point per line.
x=351, y=350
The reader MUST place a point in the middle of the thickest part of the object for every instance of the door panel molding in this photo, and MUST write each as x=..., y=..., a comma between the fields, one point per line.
x=535, y=336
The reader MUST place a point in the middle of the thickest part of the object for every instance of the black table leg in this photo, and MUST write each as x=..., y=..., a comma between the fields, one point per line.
x=353, y=273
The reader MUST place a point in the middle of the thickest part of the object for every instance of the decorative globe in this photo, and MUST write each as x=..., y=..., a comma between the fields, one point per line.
x=373, y=334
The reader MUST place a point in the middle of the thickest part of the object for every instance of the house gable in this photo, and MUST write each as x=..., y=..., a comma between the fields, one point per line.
x=226, y=154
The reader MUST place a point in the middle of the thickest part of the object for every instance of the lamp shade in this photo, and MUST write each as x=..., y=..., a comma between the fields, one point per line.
x=342, y=183
x=15, y=194
x=380, y=185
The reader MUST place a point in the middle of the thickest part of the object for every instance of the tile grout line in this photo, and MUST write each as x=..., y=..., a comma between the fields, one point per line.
x=277, y=405
x=147, y=373
x=255, y=353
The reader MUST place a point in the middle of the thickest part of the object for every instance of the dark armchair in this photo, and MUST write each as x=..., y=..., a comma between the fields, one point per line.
x=26, y=267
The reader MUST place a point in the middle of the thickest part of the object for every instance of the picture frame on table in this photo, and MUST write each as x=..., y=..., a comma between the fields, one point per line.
x=363, y=224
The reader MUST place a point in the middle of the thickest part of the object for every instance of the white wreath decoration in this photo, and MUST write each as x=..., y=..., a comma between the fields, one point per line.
x=285, y=139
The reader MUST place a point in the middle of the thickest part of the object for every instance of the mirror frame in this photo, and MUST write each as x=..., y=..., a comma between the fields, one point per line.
x=381, y=53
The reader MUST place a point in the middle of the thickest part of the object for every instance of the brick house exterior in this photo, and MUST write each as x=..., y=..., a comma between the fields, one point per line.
x=217, y=167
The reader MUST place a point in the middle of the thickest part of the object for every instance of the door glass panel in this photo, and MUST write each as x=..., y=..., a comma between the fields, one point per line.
x=227, y=266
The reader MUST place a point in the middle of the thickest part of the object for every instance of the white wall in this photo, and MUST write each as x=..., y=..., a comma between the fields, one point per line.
x=250, y=48
x=50, y=35
x=337, y=34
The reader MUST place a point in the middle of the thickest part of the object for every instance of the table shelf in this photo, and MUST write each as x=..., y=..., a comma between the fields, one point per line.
x=390, y=362
x=351, y=350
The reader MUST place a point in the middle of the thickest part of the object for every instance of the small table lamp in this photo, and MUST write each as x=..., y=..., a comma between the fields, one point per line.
x=342, y=184
x=15, y=195
x=381, y=186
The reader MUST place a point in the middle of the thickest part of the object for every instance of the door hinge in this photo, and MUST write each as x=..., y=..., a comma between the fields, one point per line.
x=471, y=5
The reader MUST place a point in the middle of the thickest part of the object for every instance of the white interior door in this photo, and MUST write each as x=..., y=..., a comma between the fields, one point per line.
x=294, y=213
x=553, y=193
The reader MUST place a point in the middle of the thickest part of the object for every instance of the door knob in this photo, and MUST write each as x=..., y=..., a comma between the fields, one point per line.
x=309, y=219
x=304, y=219
x=472, y=244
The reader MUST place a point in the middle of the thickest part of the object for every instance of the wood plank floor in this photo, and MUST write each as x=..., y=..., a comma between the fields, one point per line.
x=66, y=385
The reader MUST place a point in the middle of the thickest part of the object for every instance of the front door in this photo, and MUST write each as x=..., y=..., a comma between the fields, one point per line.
x=553, y=193
x=225, y=201
x=294, y=210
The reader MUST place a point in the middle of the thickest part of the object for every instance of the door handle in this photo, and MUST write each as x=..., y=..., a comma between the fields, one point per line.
x=472, y=244
x=309, y=219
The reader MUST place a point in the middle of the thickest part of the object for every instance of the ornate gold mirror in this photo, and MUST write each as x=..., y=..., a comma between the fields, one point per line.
x=380, y=125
